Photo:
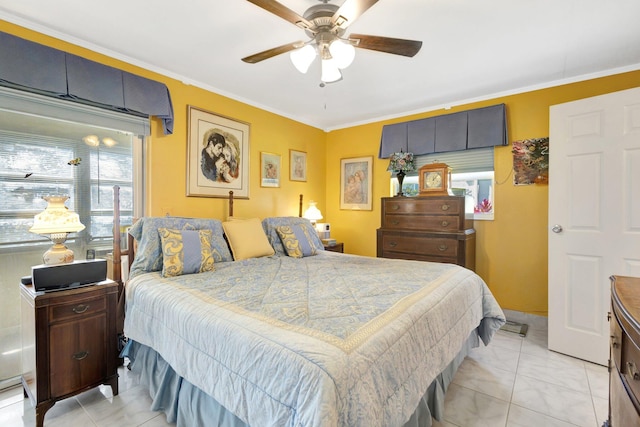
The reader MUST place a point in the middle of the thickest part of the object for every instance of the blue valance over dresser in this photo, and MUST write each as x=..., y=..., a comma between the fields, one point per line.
x=478, y=128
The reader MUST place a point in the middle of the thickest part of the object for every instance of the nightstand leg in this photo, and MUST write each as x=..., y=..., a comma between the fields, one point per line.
x=41, y=410
x=113, y=382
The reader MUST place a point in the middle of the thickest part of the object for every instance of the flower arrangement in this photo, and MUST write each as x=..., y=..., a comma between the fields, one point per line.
x=401, y=162
x=483, y=207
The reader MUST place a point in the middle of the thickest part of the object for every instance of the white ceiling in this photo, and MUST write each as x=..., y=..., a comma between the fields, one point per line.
x=472, y=49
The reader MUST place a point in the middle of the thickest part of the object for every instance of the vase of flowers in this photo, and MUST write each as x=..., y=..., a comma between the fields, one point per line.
x=401, y=163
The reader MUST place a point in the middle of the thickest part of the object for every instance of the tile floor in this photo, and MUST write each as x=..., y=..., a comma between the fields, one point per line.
x=514, y=382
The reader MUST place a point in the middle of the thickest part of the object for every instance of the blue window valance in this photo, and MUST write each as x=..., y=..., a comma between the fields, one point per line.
x=482, y=127
x=37, y=68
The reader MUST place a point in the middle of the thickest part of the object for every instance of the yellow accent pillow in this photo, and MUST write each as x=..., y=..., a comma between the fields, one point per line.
x=186, y=251
x=247, y=239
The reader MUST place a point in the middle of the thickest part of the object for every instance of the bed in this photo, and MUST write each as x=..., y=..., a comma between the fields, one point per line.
x=287, y=334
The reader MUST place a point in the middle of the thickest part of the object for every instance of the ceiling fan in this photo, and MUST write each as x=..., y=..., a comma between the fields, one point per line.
x=325, y=24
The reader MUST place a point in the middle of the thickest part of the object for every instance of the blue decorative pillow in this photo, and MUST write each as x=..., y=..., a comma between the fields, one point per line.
x=296, y=240
x=149, y=251
x=271, y=225
x=185, y=251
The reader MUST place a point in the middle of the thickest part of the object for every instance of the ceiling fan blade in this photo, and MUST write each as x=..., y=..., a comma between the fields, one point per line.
x=350, y=11
x=283, y=12
x=386, y=44
x=270, y=53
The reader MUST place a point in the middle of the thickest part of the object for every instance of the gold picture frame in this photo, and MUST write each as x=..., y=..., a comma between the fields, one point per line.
x=269, y=170
x=356, y=183
x=217, y=155
x=297, y=165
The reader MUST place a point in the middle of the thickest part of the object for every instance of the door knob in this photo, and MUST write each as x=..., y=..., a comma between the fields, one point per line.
x=557, y=228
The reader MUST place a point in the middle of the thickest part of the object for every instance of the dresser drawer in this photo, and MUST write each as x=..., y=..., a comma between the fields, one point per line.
x=420, y=257
x=430, y=223
x=77, y=309
x=627, y=356
x=424, y=205
x=441, y=247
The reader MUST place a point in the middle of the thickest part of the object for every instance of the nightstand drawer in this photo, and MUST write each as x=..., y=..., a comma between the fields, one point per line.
x=77, y=309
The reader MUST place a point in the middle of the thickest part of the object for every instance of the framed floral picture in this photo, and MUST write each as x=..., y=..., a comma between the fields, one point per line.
x=217, y=155
x=297, y=165
x=269, y=170
x=356, y=183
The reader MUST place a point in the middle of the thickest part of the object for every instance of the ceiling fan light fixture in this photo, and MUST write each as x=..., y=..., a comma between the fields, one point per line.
x=330, y=71
x=343, y=53
x=303, y=57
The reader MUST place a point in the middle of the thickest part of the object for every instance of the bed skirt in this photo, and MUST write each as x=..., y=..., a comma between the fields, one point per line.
x=186, y=405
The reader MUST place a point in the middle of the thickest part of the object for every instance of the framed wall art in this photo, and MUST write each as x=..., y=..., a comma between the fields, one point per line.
x=269, y=170
x=217, y=155
x=356, y=183
x=297, y=165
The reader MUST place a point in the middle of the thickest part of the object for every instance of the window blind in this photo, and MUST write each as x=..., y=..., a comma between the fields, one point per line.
x=12, y=100
x=477, y=160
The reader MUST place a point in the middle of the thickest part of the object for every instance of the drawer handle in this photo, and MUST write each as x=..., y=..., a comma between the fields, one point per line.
x=80, y=308
x=633, y=371
x=395, y=207
x=81, y=355
x=614, y=344
x=442, y=248
x=395, y=222
x=445, y=207
x=445, y=223
x=393, y=244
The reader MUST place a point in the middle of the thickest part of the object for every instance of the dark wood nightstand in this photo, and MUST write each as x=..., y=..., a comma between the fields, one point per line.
x=69, y=342
x=338, y=247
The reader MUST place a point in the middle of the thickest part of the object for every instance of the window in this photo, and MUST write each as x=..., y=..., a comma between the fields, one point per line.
x=472, y=176
x=81, y=161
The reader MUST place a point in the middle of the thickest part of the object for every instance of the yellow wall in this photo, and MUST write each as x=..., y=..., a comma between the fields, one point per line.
x=511, y=250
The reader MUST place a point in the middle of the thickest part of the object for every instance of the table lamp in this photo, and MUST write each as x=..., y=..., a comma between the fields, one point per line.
x=312, y=213
x=55, y=223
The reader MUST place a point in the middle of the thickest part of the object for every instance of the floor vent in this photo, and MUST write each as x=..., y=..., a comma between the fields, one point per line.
x=515, y=327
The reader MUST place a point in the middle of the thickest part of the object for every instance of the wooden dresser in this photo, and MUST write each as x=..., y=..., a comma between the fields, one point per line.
x=624, y=362
x=433, y=228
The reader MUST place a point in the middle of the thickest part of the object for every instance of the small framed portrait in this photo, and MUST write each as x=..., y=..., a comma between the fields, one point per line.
x=297, y=165
x=217, y=155
x=356, y=183
x=269, y=170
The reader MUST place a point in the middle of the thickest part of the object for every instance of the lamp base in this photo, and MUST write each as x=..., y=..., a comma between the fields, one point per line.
x=58, y=254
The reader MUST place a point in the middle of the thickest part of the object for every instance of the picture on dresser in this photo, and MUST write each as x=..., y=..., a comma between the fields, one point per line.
x=356, y=183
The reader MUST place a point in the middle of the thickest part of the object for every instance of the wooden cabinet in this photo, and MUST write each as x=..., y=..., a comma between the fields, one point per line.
x=434, y=228
x=69, y=341
x=624, y=362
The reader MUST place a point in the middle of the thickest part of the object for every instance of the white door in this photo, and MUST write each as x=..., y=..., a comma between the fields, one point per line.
x=594, y=216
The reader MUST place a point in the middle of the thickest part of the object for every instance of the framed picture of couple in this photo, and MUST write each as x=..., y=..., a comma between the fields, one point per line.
x=217, y=155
